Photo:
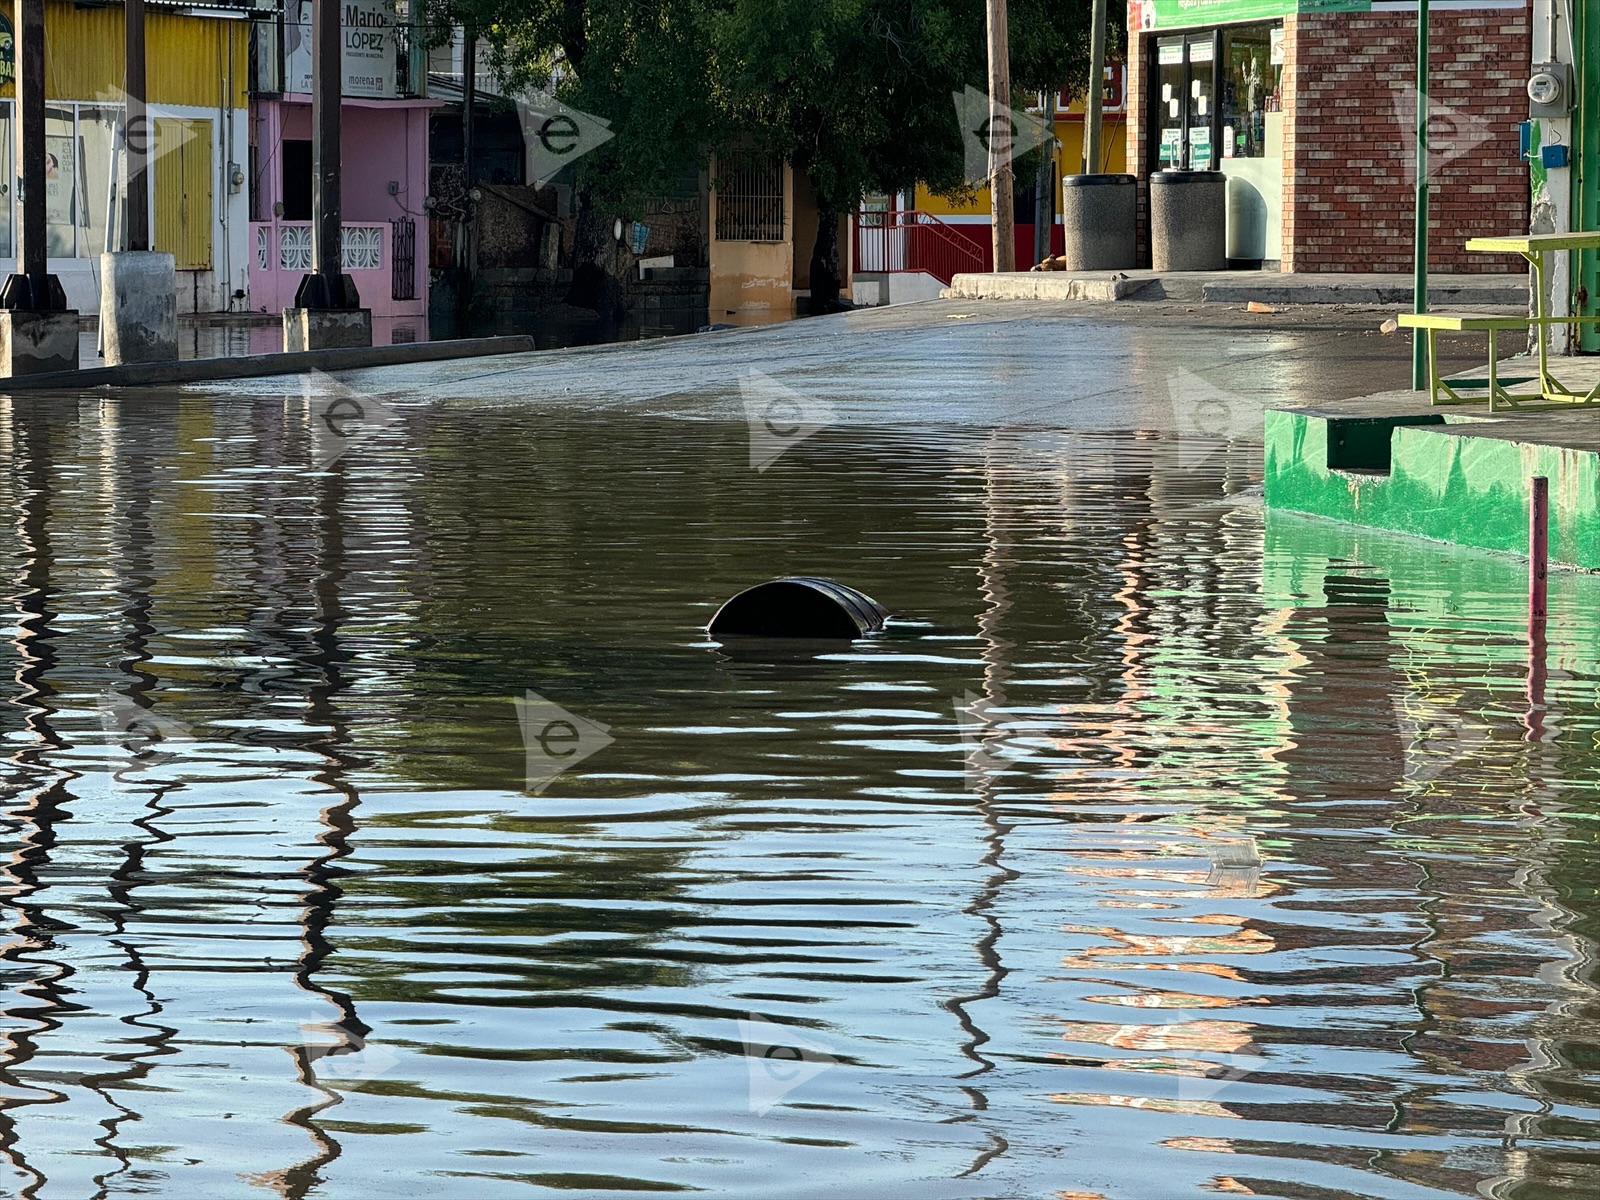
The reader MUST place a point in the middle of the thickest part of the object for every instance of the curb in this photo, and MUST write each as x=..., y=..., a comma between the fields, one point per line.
x=255, y=366
x=1508, y=296
x=1195, y=287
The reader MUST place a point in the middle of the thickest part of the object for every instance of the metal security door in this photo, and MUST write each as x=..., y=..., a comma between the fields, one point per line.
x=182, y=171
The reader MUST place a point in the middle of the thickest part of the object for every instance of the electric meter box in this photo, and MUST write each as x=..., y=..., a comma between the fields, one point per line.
x=1550, y=90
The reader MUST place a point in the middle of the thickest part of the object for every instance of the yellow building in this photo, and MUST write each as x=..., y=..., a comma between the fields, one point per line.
x=197, y=66
x=974, y=210
x=764, y=222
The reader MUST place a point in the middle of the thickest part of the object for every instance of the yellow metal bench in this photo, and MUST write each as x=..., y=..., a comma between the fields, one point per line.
x=1535, y=249
x=1443, y=392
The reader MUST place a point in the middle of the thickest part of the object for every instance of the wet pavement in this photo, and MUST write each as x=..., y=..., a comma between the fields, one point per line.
x=382, y=824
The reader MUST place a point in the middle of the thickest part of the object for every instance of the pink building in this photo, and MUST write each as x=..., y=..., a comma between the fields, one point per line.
x=384, y=172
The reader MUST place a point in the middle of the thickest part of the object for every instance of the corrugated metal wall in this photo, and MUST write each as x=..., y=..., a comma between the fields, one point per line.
x=182, y=172
x=186, y=58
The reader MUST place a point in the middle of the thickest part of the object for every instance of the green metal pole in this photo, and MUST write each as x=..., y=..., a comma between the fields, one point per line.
x=1419, y=343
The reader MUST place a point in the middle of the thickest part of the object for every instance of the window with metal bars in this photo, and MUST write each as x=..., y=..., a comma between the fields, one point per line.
x=750, y=204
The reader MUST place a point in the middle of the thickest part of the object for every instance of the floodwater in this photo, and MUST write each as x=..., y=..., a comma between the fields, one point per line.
x=1161, y=847
x=233, y=334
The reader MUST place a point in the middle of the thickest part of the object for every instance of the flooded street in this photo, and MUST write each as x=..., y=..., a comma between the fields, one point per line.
x=1160, y=847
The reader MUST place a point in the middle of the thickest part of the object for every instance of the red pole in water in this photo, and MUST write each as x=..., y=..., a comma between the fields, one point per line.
x=1538, y=555
x=1538, y=597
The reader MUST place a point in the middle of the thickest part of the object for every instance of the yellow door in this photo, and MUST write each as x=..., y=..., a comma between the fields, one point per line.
x=182, y=170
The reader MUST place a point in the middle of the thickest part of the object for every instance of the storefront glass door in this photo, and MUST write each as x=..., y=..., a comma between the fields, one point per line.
x=1184, y=129
x=1172, y=86
x=1202, y=86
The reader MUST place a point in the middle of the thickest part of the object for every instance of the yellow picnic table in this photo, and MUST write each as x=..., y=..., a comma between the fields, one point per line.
x=1534, y=247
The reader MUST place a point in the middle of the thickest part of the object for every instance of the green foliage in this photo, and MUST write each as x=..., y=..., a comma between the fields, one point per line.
x=857, y=93
x=1050, y=43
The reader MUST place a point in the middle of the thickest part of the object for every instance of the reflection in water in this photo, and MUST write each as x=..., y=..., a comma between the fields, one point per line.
x=987, y=762
x=1262, y=874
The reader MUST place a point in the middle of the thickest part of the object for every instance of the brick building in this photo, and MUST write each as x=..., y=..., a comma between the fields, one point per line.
x=1309, y=106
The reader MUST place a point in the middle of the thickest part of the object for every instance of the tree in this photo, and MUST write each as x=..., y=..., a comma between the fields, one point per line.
x=856, y=94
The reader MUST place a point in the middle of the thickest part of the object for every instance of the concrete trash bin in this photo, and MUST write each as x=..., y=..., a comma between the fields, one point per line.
x=1189, y=221
x=1099, y=217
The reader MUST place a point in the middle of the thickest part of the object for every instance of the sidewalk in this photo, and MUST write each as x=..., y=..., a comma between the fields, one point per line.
x=261, y=366
x=1241, y=287
x=1456, y=473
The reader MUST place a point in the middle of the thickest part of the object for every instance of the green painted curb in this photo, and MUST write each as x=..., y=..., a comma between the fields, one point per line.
x=1462, y=481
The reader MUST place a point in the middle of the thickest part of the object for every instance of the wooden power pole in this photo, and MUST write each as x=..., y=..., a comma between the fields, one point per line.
x=1002, y=135
x=1094, y=99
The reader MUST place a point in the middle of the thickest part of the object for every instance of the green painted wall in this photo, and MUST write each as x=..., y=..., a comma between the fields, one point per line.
x=1585, y=179
x=1472, y=491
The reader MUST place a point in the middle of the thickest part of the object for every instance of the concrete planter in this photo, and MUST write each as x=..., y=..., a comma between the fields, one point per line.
x=1189, y=221
x=139, y=306
x=1099, y=216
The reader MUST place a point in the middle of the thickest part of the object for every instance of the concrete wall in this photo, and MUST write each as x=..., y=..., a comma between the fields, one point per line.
x=752, y=283
x=1465, y=484
x=909, y=287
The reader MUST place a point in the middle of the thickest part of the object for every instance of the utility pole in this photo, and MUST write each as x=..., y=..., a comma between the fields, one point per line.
x=1419, y=297
x=136, y=128
x=327, y=207
x=1002, y=135
x=138, y=286
x=327, y=310
x=1094, y=99
x=33, y=292
x=38, y=333
x=469, y=101
x=466, y=248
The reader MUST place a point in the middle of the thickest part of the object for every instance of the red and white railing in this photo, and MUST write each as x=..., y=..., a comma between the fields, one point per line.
x=909, y=240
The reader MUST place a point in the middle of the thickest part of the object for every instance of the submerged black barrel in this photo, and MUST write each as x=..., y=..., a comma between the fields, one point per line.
x=799, y=606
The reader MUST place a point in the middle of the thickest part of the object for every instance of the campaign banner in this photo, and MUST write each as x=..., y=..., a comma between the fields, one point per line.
x=367, y=29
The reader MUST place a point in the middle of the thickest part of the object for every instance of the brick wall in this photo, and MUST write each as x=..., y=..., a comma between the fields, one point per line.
x=1348, y=198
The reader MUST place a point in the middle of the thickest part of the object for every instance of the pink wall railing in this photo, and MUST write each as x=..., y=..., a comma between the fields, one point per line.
x=280, y=256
